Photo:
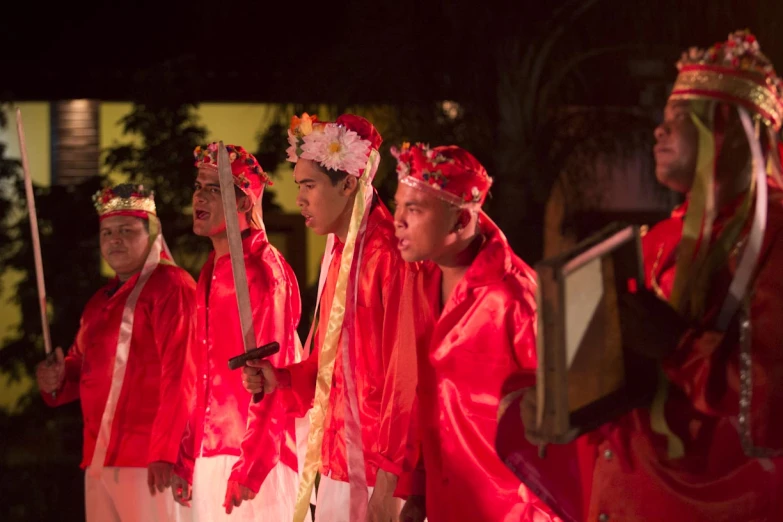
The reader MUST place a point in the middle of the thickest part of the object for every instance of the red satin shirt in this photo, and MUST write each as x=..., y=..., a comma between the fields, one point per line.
x=152, y=408
x=385, y=396
x=222, y=420
x=715, y=480
x=484, y=334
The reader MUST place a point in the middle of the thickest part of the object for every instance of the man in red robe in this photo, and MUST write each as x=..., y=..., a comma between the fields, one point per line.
x=128, y=365
x=710, y=448
x=481, y=301
x=237, y=455
x=361, y=400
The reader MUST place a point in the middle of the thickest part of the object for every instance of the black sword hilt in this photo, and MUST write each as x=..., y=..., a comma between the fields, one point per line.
x=262, y=352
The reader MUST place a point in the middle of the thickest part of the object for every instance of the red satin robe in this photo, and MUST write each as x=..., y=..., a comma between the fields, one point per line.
x=223, y=420
x=484, y=334
x=152, y=409
x=385, y=395
x=715, y=480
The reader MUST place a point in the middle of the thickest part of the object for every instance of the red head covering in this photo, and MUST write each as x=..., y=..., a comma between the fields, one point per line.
x=734, y=71
x=363, y=128
x=248, y=174
x=449, y=173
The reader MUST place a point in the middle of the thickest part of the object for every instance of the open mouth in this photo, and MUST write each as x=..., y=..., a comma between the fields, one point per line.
x=308, y=219
x=201, y=214
x=402, y=244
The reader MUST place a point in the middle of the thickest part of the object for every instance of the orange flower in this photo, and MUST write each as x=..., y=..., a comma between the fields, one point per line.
x=304, y=125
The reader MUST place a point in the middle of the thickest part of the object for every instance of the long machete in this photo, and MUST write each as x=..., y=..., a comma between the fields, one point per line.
x=238, y=269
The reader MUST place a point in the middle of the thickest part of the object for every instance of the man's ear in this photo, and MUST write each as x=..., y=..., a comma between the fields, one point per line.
x=244, y=204
x=463, y=220
x=349, y=184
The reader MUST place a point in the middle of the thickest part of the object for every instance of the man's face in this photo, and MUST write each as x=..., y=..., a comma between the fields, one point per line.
x=424, y=224
x=125, y=243
x=208, y=217
x=676, y=147
x=323, y=204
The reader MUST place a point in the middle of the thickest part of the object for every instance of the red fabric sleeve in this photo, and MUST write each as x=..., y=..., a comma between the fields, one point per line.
x=298, y=396
x=264, y=442
x=186, y=457
x=174, y=324
x=398, y=352
x=69, y=389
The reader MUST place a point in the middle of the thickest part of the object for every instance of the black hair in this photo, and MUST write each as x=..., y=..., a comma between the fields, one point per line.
x=335, y=176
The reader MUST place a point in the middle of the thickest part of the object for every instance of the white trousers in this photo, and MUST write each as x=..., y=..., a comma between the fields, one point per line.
x=274, y=501
x=333, y=503
x=122, y=495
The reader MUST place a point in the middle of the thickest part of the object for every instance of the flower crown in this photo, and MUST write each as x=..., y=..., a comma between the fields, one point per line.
x=125, y=199
x=243, y=164
x=449, y=173
x=332, y=145
x=734, y=71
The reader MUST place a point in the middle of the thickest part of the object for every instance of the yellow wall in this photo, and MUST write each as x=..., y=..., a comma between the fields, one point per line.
x=35, y=116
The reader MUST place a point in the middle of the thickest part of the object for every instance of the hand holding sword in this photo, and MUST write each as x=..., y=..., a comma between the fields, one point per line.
x=237, y=256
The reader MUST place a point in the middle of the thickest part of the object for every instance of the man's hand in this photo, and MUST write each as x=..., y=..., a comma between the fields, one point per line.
x=51, y=371
x=259, y=375
x=653, y=327
x=413, y=510
x=382, y=506
x=158, y=476
x=180, y=489
x=235, y=494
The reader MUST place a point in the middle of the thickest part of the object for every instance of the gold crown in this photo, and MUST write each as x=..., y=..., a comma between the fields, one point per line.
x=734, y=71
x=125, y=197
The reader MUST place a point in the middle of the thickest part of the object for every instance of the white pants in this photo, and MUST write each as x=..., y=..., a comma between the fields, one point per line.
x=274, y=501
x=122, y=495
x=334, y=501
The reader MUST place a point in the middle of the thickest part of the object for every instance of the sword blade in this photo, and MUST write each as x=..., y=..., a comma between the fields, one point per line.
x=39, y=274
x=235, y=248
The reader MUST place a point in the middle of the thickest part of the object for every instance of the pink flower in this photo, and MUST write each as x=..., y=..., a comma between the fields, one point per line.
x=337, y=148
x=293, y=144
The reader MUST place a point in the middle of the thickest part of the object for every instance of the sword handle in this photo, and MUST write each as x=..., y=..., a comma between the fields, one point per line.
x=51, y=359
x=261, y=352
